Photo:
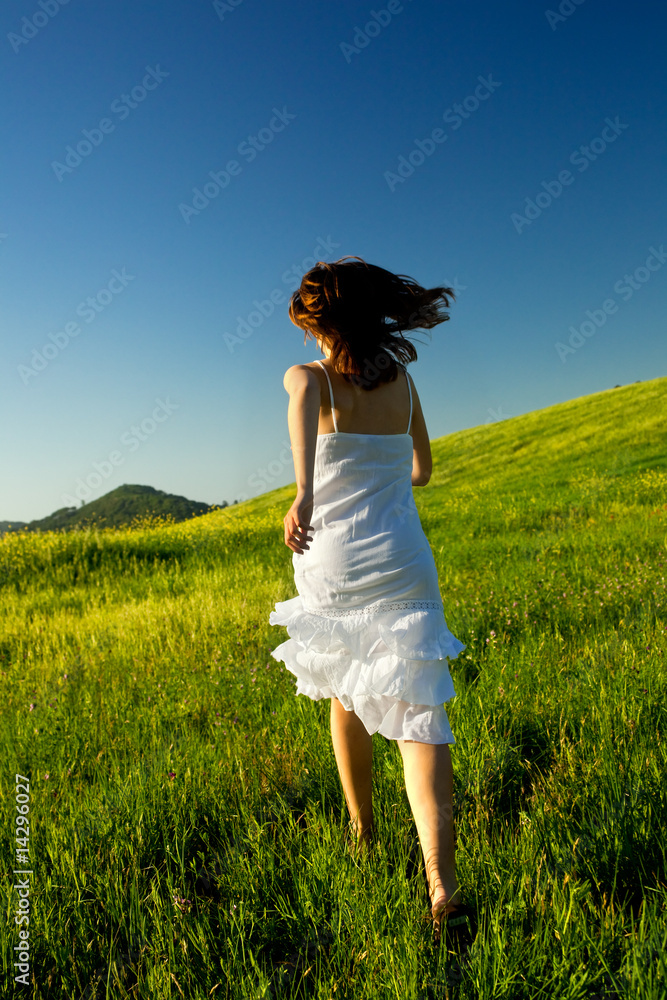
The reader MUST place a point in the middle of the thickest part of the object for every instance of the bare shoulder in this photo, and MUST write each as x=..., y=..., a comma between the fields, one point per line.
x=418, y=422
x=300, y=377
x=415, y=394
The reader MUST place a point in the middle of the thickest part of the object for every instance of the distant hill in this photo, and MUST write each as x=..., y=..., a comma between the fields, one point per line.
x=115, y=509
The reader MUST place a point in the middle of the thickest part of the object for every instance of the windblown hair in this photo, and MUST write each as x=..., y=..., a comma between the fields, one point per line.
x=360, y=312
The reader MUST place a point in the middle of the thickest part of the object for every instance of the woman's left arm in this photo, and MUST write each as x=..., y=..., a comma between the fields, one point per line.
x=302, y=418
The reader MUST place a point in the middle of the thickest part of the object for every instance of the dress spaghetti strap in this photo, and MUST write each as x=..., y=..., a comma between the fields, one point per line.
x=410, y=391
x=333, y=412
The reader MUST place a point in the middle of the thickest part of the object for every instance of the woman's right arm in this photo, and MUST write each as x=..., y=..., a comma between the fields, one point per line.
x=422, y=462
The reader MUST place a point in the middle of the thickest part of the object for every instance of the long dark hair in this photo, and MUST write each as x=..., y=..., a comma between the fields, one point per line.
x=347, y=304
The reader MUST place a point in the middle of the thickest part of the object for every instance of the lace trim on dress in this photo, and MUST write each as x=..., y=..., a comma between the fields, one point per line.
x=376, y=609
x=391, y=669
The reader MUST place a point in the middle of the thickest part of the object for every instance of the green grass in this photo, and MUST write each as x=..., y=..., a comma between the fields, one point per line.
x=186, y=815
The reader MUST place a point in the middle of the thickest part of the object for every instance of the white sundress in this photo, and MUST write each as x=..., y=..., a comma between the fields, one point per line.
x=368, y=624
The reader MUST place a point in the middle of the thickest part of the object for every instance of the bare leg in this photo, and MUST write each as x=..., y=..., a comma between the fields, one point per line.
x=353, y=747
x=429, y=784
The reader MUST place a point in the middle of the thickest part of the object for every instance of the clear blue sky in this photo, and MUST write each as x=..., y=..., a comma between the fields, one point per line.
x=317, y=113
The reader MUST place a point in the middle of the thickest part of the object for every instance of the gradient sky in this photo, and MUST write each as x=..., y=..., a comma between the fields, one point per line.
x=335, y=110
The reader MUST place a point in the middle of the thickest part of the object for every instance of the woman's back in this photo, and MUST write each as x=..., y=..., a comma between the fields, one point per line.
x=389, y=408
x=382, y=410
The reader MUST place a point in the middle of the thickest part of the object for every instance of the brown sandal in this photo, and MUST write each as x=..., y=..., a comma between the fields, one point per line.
x=460, y=927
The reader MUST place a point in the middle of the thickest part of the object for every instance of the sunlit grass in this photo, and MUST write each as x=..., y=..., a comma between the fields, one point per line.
x=186, y=813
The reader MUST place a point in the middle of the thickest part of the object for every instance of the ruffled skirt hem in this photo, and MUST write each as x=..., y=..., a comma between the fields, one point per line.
x=389, y=666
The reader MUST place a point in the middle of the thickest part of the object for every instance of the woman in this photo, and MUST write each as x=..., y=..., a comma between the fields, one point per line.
x=368, y=629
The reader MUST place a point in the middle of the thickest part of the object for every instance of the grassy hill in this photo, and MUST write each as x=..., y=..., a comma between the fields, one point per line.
x=118, y=508
x=188, y=812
